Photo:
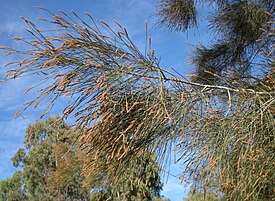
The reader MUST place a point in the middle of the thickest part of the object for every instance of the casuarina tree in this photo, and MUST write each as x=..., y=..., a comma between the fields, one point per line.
x=221, y=119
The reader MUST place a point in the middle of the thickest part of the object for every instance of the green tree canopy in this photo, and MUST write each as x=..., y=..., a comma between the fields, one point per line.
x=12, y=188
x=53, y=169
x=207, y=196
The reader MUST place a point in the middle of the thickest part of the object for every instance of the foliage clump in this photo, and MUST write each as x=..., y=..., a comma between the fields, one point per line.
x=53, y=169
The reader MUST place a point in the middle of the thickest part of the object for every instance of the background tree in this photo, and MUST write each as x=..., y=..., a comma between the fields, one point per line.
x=198, y=196
x=52, y=169
x=222, y=120
x=12, y=188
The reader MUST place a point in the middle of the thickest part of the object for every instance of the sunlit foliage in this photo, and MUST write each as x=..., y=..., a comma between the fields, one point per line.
x=52, y=169
x=221, y=123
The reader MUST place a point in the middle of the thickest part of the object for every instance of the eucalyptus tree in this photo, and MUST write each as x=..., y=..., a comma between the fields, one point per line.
x=221, y=120
x=199, y=196
x=11, y=188
x=52, y=169
x=40, y=160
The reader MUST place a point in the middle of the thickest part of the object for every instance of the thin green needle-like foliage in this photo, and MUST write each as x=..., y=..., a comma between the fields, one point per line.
x=221, y=124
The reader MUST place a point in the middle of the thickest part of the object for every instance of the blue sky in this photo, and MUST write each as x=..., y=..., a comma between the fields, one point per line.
x=172, y=48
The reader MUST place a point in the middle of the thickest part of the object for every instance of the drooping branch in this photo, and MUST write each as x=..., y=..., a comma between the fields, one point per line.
x=126, y=103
